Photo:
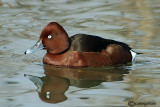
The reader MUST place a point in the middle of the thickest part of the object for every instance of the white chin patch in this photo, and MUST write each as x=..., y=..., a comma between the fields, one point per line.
x=133, y=55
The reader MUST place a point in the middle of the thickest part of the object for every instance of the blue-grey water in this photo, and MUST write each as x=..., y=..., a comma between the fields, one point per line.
x=135, y=22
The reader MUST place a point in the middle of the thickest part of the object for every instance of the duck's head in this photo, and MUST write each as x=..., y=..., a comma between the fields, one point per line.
x=53, y=38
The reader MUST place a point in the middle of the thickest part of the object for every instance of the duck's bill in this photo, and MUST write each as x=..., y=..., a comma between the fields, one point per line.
x=36, y=47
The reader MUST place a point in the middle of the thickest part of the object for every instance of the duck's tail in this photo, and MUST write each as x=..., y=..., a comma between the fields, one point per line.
x=139, y=53
x=134, y=54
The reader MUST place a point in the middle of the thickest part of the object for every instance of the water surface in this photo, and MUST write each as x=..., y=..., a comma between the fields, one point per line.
x=135, y=22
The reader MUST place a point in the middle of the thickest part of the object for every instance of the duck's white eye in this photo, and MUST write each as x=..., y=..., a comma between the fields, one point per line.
x=49, y=36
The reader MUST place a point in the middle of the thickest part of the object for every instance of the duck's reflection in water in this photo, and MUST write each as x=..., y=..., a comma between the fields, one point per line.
x=52, y=87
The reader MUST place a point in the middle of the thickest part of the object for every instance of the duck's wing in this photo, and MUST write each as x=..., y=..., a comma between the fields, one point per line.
x=90, y=43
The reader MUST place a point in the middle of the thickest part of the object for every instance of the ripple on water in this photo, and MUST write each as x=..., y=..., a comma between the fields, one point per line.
x=135, y=22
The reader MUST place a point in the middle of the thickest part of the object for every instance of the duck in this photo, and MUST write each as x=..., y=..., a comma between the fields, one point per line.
x=80, y=50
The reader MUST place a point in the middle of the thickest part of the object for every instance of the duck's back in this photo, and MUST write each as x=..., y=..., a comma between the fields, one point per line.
x=90, y=43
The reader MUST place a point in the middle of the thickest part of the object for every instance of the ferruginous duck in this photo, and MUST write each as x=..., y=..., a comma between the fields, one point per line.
x=80, y=50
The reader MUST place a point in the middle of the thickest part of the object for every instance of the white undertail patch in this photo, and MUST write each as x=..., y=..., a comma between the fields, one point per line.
x=133, y=55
